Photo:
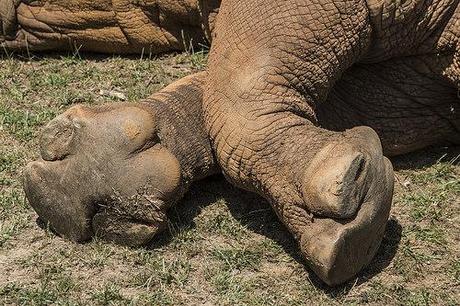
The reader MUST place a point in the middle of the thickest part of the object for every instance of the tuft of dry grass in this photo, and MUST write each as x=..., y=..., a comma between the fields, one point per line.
x=223, y=246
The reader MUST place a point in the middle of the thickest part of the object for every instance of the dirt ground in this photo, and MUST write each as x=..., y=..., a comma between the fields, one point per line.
x=223, y=246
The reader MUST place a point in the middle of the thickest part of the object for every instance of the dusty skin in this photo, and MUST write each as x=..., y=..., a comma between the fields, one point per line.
x=300, y=102
x=131, y=162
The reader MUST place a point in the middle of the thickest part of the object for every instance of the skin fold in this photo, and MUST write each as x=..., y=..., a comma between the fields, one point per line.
x=300, y=102
x=108, y=26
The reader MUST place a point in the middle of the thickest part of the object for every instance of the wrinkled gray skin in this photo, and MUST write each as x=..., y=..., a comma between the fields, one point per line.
x=301, y=101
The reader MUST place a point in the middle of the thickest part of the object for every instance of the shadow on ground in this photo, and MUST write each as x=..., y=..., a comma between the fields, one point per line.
x=426, y=158
x=255, y=214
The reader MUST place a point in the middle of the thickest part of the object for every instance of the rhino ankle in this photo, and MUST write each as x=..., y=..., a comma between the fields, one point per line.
x=178, y=108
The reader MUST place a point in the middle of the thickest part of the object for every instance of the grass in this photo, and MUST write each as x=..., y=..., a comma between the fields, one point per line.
x=224, y=246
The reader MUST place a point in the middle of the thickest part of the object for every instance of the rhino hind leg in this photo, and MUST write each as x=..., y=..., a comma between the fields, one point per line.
x=332, y=190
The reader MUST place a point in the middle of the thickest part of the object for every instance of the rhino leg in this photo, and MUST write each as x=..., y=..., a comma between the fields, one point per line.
x=269, y=73
x=407, y=101
x=114, y=170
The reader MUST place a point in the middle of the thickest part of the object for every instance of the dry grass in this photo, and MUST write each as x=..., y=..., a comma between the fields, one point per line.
x=223, y=246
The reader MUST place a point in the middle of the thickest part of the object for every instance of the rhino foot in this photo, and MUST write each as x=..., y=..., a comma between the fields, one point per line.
x=348, y=187
x=103, y=171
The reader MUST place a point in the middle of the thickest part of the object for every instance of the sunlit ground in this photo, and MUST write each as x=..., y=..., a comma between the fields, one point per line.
x=223, y=246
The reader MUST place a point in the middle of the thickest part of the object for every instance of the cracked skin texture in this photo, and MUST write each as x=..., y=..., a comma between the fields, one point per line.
x=290, y=85
x=109, y=26
x=301, y=101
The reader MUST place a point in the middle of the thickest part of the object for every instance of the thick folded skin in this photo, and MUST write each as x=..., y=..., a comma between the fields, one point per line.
x=118, y=26
x=408, y=101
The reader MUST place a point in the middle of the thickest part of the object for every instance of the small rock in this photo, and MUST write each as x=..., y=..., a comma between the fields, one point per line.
x=112, y=94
